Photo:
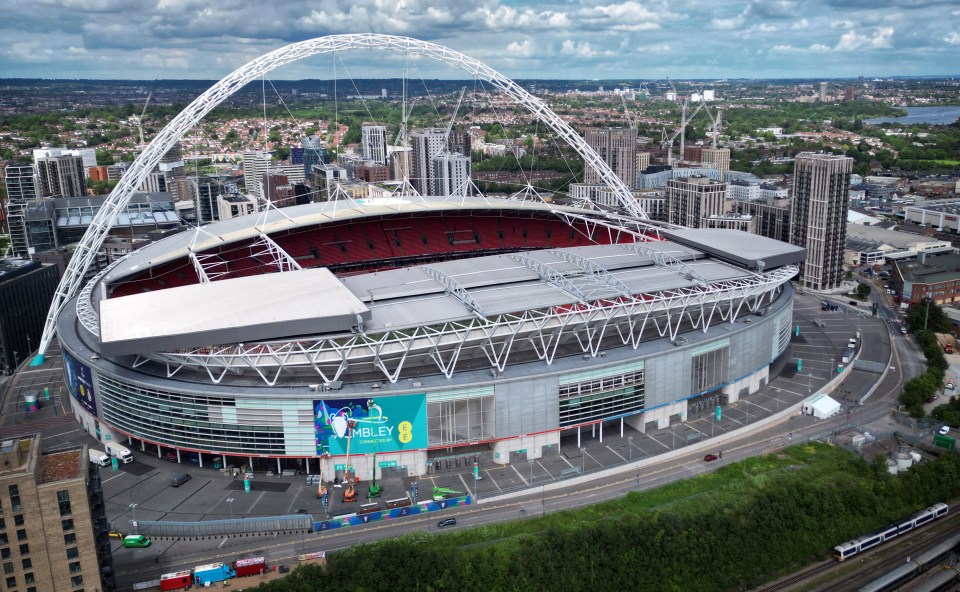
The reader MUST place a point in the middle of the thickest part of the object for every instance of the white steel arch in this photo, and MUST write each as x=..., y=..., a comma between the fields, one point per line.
x=93, y=239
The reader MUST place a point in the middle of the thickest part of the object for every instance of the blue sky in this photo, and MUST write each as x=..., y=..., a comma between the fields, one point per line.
x=207, y=39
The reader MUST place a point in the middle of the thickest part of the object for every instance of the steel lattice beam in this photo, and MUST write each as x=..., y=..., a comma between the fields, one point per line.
x=105, y=218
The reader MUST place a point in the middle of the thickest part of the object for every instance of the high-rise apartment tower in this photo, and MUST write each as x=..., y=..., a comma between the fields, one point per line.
x=818, y=216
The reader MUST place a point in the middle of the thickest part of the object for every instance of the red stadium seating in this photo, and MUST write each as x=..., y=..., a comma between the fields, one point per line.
x=376, y=244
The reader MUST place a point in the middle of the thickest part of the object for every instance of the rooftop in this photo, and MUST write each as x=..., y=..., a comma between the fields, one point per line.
x=59, y=466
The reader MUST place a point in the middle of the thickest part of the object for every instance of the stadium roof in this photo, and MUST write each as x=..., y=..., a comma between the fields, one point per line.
x=302, y=302
x=739, y=247
x=273, y=221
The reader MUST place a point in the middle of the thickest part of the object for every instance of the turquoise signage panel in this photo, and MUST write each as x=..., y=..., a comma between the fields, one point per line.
x=384, y=424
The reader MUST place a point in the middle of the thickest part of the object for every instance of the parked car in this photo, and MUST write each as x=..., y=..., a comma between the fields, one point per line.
x=710, y=457
x=447, y=522
x=180, y=479
x=170, y=455
x=944, y=430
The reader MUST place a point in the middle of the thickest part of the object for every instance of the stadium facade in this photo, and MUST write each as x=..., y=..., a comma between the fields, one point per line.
x=419, y=327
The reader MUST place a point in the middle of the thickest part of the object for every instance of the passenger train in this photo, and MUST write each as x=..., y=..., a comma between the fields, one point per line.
x=862, y=543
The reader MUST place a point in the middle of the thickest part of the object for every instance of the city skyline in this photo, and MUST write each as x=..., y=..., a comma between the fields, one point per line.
x=173, y=39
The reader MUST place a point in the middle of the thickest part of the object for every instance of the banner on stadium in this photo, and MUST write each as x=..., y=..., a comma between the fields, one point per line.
x=383, y=424
x=79, y=381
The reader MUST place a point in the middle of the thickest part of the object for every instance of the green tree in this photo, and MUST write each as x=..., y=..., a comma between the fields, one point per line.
x=863, y=291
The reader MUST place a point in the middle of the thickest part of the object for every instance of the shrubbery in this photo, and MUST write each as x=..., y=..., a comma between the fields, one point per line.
x=721, y=531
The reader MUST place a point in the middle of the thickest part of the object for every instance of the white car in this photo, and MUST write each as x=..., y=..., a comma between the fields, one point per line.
x=944, y=430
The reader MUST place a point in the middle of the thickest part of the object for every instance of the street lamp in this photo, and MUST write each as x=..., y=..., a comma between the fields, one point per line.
x=630, y=446
x=29, y=346
x=583, y=461
x=229, y=500
x=133, y=507
x=531, y=470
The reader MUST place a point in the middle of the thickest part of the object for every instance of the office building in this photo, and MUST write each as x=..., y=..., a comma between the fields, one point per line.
x=314, y=152
x=618, y=148
x=21, y=185
x=232, y=205
x=56, y=535
x=61, y=176
x=26, y=291
x=818, y=215
x=692, y=200
x=374, y=140
x=451, y=174
x=427, y=144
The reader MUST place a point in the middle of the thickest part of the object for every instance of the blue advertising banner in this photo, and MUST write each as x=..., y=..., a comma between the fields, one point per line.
x=386, y=424
x=79, y=381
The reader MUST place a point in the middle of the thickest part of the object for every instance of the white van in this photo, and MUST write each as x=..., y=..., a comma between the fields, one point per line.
x=120, y=451
x=98, y=457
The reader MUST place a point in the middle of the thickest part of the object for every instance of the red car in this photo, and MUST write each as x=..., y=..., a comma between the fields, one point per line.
x=710, y=457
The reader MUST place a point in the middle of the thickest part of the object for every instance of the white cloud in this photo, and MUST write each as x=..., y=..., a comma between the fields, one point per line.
x=953, y=38
x=727, y=24
x=521, y=49
x=852, y=41
x=580, y=50
x=800, y=25
x=841, y=25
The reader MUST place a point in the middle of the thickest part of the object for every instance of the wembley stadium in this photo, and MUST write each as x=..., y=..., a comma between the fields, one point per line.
x=410, y=326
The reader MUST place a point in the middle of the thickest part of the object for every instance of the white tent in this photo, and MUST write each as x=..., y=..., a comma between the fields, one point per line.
x=821, y=407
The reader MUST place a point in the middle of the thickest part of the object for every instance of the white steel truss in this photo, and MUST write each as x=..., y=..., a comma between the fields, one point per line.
x=587, y=327
x=103, y=221
x=588, y=266
x=454, y=288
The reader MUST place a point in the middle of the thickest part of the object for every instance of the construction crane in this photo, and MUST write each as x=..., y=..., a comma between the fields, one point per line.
x=682, y=132
x=454, y=116
x=321, y=488
x=375, y=490
x=715, y=128
x=350, y=493
x=138, y=119
x=631, y=118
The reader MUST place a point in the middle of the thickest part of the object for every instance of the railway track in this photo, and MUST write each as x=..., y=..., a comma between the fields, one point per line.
x=874, y=562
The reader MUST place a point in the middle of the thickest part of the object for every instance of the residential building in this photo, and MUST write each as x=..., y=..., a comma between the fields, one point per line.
x=691, y=201
x=460, y=141
x=61, y=176
x=427, y=144
x=451, y=174
x=255, y=163
x=717, y=158
x=21, y=183
x=56, y=532
x=205, y=192
x=372, y=172
x=818, y=216
x=324, y=179
x=618, y=148
x=374, y=140
x=772, y=217
x=235, y=204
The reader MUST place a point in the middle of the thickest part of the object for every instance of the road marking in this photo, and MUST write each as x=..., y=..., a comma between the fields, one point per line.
x=120, y=474
x=221, y=543
x=514, y=467
x=260, y=497
x=613, y=451
x=490, y=476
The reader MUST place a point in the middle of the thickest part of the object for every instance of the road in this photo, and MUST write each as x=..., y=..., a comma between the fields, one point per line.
x=140, y=491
